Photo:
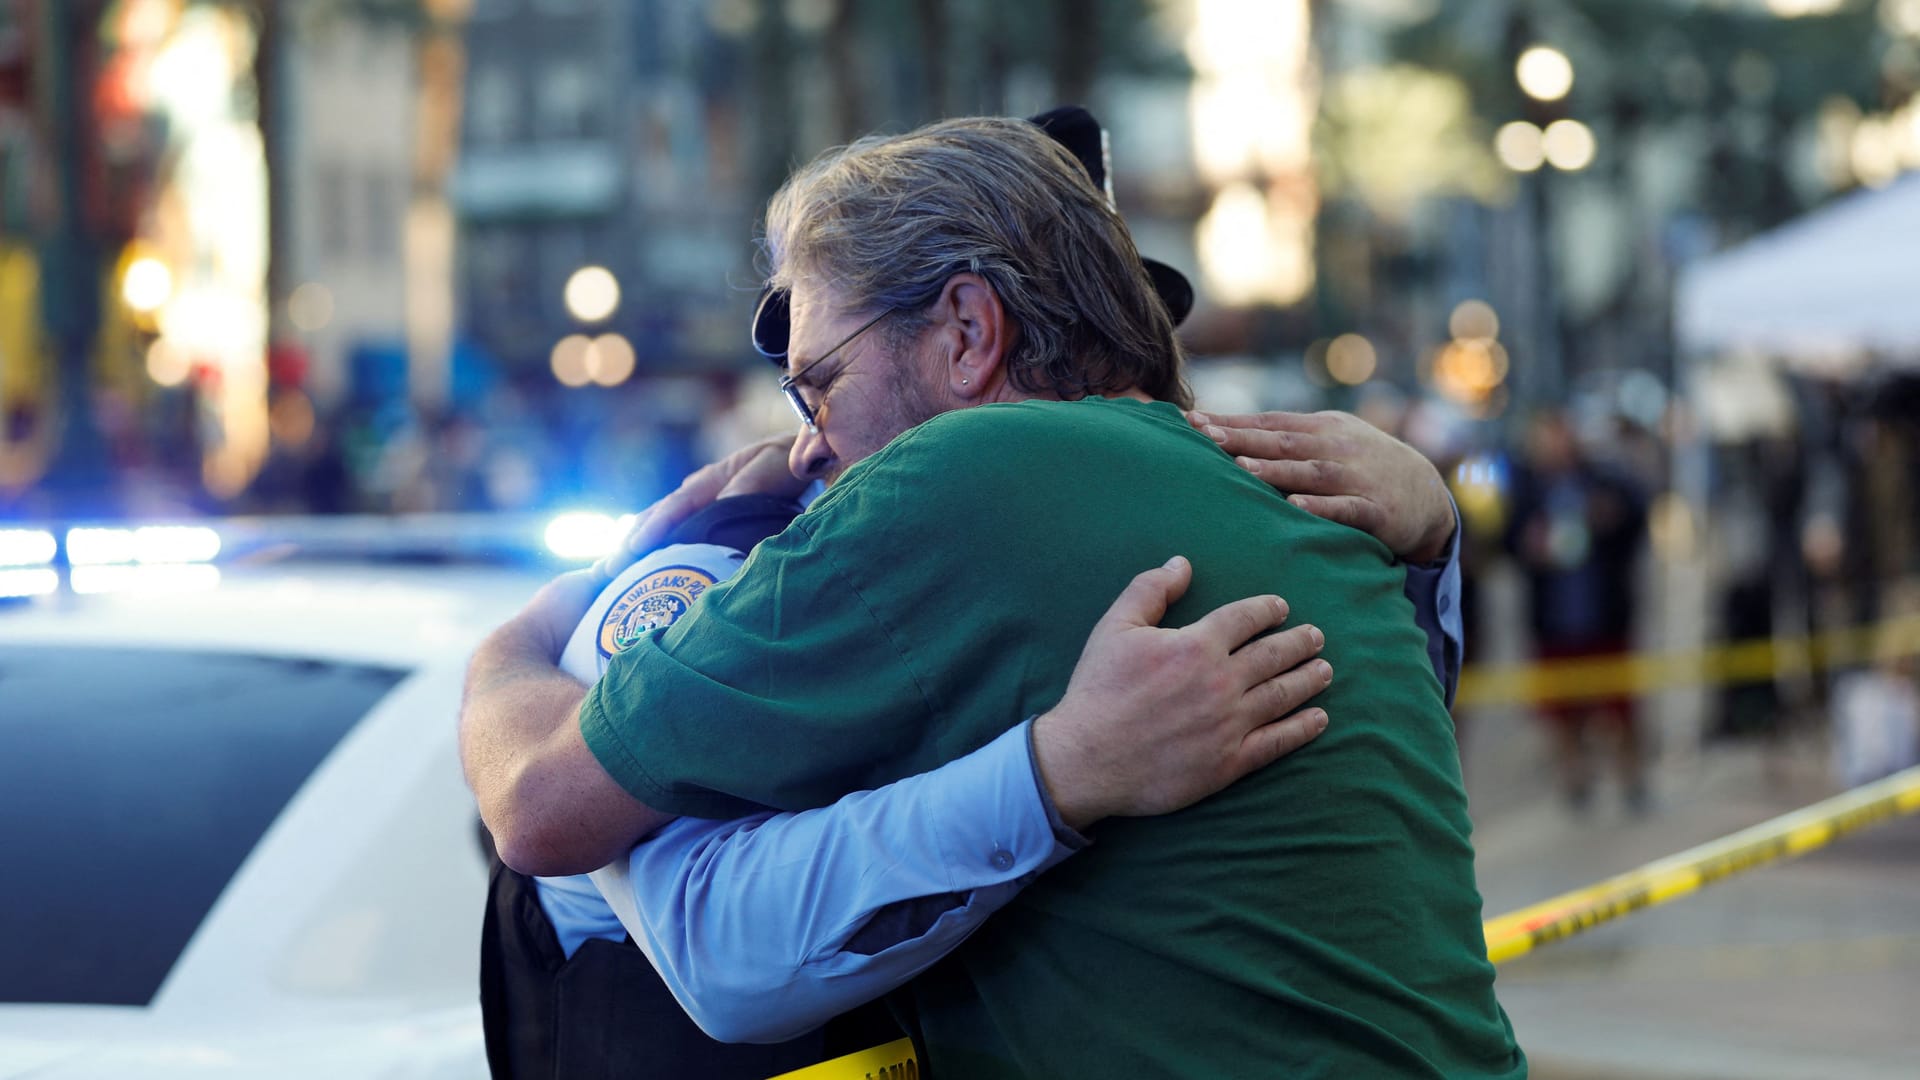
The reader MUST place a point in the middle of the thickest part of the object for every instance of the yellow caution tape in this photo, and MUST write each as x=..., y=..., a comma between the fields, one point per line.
x=894, y=1061
x=1637, y=674
x=1520, y=932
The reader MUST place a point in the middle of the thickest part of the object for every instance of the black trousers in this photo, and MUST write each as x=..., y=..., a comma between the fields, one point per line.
x=604, y=1012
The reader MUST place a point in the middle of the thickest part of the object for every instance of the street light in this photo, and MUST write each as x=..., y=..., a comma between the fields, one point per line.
x=1544, y=73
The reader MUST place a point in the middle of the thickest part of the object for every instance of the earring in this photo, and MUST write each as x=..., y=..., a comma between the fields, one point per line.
x=964, y=382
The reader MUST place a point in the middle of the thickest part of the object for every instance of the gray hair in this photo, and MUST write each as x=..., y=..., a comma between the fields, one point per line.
x=887, y=220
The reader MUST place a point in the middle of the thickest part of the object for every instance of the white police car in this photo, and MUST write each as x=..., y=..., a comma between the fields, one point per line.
x=236, y=840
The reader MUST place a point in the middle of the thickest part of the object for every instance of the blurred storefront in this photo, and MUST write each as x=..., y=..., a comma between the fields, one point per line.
x=244, y=241
x=134, y=232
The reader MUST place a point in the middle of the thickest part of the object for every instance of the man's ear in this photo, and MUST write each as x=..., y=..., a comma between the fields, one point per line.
x=978, y=335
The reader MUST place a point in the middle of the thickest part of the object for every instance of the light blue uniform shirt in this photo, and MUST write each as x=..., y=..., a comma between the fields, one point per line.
x=764, y=927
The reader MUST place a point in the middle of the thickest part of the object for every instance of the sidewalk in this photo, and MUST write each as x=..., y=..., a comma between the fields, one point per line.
x=1804, y=969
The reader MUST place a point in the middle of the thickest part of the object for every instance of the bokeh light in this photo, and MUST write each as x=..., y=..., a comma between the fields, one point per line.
x=147, y=286
x=1253, y=251
x=1901, y=16
x=1794, y=9
x=291, y=418
x=1474, y=319
x=1468, y=370
x=310, y=307
x=1569, y=145
x=167, y=363
x=175, y=544
x=1351, y=359
x=1544, y=73
x=592, y=294
x=18, y=584
x=1520, y=146
x=97, y=546
x=1875, y=152
x=609, y=360
x=26, y=547
x=569, y=360
x=582, y=535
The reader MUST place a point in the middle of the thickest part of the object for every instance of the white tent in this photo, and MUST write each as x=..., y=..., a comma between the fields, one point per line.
x=1844, y=279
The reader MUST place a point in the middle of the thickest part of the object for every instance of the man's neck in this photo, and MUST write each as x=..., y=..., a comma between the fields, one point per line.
x=1007, y=392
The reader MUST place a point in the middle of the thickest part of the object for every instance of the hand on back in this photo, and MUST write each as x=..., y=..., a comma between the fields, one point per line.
x=1337, y=466
x=1155, y=720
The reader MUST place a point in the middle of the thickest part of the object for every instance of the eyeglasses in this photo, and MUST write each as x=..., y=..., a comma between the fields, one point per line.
x=789, y=384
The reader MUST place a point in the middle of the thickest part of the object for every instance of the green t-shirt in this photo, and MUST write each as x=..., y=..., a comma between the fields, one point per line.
x=1319, y=918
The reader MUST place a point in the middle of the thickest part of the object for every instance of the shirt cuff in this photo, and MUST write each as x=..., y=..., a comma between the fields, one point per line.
x=1063, y=834
x=1434, y=589
x=991, y=801
x=993, y=819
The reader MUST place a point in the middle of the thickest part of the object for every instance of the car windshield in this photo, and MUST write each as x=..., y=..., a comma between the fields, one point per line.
x=133, y=783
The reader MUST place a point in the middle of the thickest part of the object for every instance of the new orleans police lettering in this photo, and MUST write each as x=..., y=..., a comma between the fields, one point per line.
x=652, y=603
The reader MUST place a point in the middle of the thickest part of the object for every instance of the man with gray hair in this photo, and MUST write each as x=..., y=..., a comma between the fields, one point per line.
x=992, y=389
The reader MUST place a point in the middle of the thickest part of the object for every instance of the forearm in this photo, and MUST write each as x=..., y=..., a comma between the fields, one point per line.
x=519, y=746
x=767, y=926
x=514, y=701
x=1439, y=543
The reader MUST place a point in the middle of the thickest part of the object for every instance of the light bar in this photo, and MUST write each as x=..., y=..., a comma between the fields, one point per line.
x=148, y=544
x=26, y=547
x=37, y=581
x=97, y=547
x=583, y=535
x=175, y=544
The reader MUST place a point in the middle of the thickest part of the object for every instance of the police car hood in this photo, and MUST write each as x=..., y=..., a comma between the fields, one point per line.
x=68, y=1042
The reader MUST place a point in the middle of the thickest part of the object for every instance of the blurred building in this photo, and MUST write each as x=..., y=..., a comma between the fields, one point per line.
x=24, y=379
x=601, y=134
x=132, y=238
x=345, y=134
x=644, y=138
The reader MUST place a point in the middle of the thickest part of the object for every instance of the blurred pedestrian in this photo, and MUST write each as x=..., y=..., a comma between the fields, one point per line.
x=1576, y=528
x=1876, y=714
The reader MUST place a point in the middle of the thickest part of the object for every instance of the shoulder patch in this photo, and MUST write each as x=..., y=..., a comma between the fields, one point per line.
x=651, y=603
